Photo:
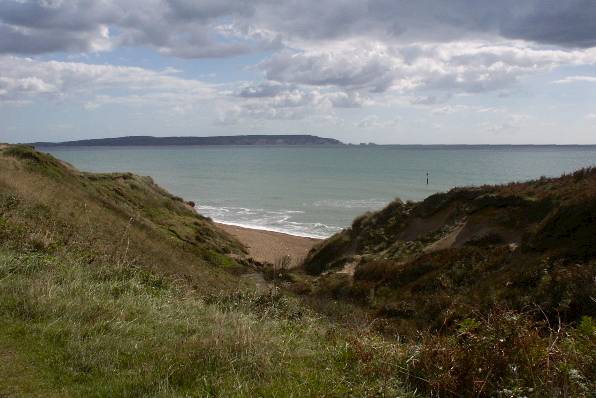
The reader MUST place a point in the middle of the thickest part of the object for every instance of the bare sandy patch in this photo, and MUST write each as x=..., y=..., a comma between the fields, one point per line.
x=269, y=246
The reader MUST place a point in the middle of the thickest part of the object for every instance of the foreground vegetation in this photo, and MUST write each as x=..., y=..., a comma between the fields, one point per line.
x=499, y=278
x=71, y=329
x=110, y=286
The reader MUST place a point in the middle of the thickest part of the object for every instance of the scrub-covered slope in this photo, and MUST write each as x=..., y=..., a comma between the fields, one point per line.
x=112, y=287
x=432, y=263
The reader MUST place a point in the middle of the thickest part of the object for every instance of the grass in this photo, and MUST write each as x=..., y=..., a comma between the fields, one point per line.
x=103, y=330
x=100, y=330
x=478, y=312
x=110, y=286
x=50, y=207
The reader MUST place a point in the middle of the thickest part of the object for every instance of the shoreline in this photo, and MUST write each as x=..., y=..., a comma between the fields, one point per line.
x=271, y=246
x=258, y=228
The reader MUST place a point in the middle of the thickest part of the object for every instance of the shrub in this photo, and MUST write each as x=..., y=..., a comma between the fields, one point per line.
x=506, y=354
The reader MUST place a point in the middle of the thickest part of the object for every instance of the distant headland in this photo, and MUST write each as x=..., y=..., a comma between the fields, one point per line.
x=298, y=139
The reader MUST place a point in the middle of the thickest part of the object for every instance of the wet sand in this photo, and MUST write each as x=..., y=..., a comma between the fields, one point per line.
x=268, y=246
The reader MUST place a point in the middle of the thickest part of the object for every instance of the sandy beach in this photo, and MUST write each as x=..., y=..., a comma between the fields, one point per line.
x=269, y=246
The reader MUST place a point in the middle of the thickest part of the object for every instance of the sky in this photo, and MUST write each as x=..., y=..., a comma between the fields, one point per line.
x=384, y=71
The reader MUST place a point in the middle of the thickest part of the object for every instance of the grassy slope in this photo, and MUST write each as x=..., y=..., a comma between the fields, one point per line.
x=436, y=262
x=50, y=206
x=489, y=282
x=110, y=286
x=120, y=331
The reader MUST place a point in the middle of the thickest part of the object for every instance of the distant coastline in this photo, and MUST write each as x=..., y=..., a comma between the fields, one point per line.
x=296, y=139
x=272, y=140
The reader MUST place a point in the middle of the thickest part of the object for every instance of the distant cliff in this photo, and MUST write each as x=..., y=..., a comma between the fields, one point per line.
x=303, y=139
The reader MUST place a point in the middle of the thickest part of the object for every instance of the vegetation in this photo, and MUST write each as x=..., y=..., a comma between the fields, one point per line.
x=485, y=273
x=432, y=264
x=110, y=286
x=48, y=205
x=106, y=331
x=506, y=354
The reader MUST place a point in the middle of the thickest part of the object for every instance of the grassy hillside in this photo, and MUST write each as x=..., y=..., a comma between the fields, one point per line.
x=430, y=264
x=50, y=206
x=110, y=286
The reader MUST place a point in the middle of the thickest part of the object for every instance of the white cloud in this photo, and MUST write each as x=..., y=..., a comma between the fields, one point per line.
x=509, y=124
x=576, y=79
x=25, y=79
x=462, y=67
x=94, y=86
x=272, y=100
x=324, y=58
x=457, y=108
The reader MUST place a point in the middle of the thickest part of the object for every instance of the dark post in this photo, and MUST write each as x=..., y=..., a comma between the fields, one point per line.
x=427, y=178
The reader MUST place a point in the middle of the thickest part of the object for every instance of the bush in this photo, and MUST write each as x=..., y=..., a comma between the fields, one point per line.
x=506, y=354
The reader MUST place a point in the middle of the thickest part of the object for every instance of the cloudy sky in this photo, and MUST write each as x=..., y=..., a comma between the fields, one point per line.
x=388, y=71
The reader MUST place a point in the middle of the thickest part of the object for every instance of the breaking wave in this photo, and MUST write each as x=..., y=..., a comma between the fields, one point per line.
x=270, y=220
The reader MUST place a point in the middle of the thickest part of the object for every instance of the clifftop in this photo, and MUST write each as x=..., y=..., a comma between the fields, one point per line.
x=302, y=139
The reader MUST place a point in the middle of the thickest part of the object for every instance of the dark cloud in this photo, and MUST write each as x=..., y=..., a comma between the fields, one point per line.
x=570, y=23
x=188, y=28
x=181, y=28
x=13, y=40
x=558, y=22
x=205, y=10
x=74, y=16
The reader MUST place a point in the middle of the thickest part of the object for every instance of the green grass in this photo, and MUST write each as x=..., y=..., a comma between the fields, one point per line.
x=103, y=330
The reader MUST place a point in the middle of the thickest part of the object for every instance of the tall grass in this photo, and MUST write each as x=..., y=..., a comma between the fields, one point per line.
x=107, y=330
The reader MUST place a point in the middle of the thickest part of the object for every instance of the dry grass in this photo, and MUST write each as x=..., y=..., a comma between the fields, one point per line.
x=507, y=354
x=521, y=245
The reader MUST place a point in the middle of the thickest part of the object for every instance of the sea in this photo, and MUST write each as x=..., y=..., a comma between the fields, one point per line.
x=316, y=191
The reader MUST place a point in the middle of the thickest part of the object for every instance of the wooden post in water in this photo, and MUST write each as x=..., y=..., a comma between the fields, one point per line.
x=427, y=178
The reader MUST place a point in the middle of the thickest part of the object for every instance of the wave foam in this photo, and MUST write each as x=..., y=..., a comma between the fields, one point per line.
x=268, y=220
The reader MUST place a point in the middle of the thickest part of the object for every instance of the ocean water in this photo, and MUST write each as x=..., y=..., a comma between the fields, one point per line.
x=317, y=190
